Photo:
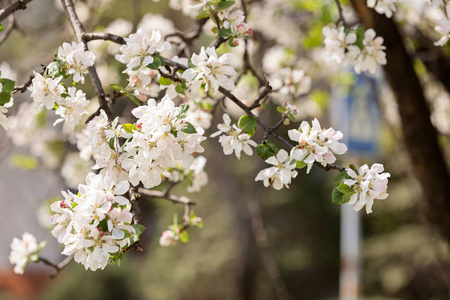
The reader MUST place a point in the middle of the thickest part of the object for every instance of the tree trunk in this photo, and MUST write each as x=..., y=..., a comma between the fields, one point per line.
x=419, y=135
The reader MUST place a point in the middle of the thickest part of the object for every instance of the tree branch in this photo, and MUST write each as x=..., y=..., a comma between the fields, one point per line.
x=164, y=195
x=80, y=32
x=19, y=5
x=58, y=267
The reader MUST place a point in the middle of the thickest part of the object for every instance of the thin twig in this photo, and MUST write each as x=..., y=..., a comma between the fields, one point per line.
x=163, y=195
x=341, y=13
x=80, y=32
x=22, y=4
x=57, y=267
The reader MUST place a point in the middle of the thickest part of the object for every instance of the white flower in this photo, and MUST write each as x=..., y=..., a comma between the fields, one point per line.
x=280, y=174
x=211, y=70
x=23, y=251
x=373, y=53
x=72, y=108
x=339, y=45
x=386, y=7
x=76, y=60
x=46, y=91
x=167, y=238
x=315, y=144
x=368, y=185
x=233, y=139
x=291, y=81
x=443, y=28
x=199, y=176
x=139, y=49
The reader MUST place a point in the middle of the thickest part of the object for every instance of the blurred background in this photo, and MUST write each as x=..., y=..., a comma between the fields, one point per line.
x=256, y=243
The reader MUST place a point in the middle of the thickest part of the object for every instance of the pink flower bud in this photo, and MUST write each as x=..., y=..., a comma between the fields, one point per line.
x=167, y=238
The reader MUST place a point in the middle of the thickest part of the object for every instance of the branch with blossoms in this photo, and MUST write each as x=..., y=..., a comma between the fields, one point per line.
x=101, y=222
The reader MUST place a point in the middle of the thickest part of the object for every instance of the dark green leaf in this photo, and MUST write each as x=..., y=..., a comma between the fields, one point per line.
x=111, y=143
x=266, y=151
x=158, y=61
x=337, y=197
x=4, y=98
x=354, y=168
x=341, y=176
x=179, y=89
x=215, y=30
x=231, y=42
x=191, y=64
x=189, y=128
x=225, y=32
x=139, y=228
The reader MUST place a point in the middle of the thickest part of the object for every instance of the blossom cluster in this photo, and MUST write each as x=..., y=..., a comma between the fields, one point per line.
x=316, y=144
x=364, y=51
x=160, y=139
x=233, y=138
x=95, y=224
x=76, y=60
x=138, y=53
x=210, y=70
x=367, y=185
x=23, y=251
x=49, y=92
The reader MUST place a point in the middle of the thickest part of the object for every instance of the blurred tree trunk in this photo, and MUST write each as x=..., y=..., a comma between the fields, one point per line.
x=419, y=135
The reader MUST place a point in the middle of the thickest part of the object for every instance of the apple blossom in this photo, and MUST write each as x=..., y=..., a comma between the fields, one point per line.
x=76, y=59
x=280, y=174
x=23, y=251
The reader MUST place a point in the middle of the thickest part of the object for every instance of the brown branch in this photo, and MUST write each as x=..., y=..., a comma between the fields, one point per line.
x=134, y=197
x=19, y=5
x=80, y=32
x=104, y=36
x=264, y=93
x=57, y=267
x=164, y=195
x=341, y=13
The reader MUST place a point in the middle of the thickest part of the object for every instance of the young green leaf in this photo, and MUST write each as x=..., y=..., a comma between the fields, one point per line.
x=225, y=4
x=165, y=81
x=337, y=197
x=129, y=128
x=247, y=124
x=225, y=32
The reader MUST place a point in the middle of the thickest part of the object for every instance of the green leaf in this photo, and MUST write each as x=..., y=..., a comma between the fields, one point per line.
x=180, y=89
x=203, y=14
x=139, y=228
x=165, y=81
x=184, y=110
x=231, y=42
x=184, y=236
x=265, y=151
x=1, y=27
x=129, y=128
x=354, y=168
x=158, y=61
x=225, y=4
x=8, y=85
x=111, y=143
x=115, y=257
x=134, y=99
x=291, y=118
x=189, y=128
x=115, y=86
x=360, y=31
x=4, y=98
x=215, y=30
x=225, y=32
x=341, y=176
x=191, y=64
x=301, y=164
x=247, y=124
x=337, y=197
x=281, y=109
x=343, y=188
